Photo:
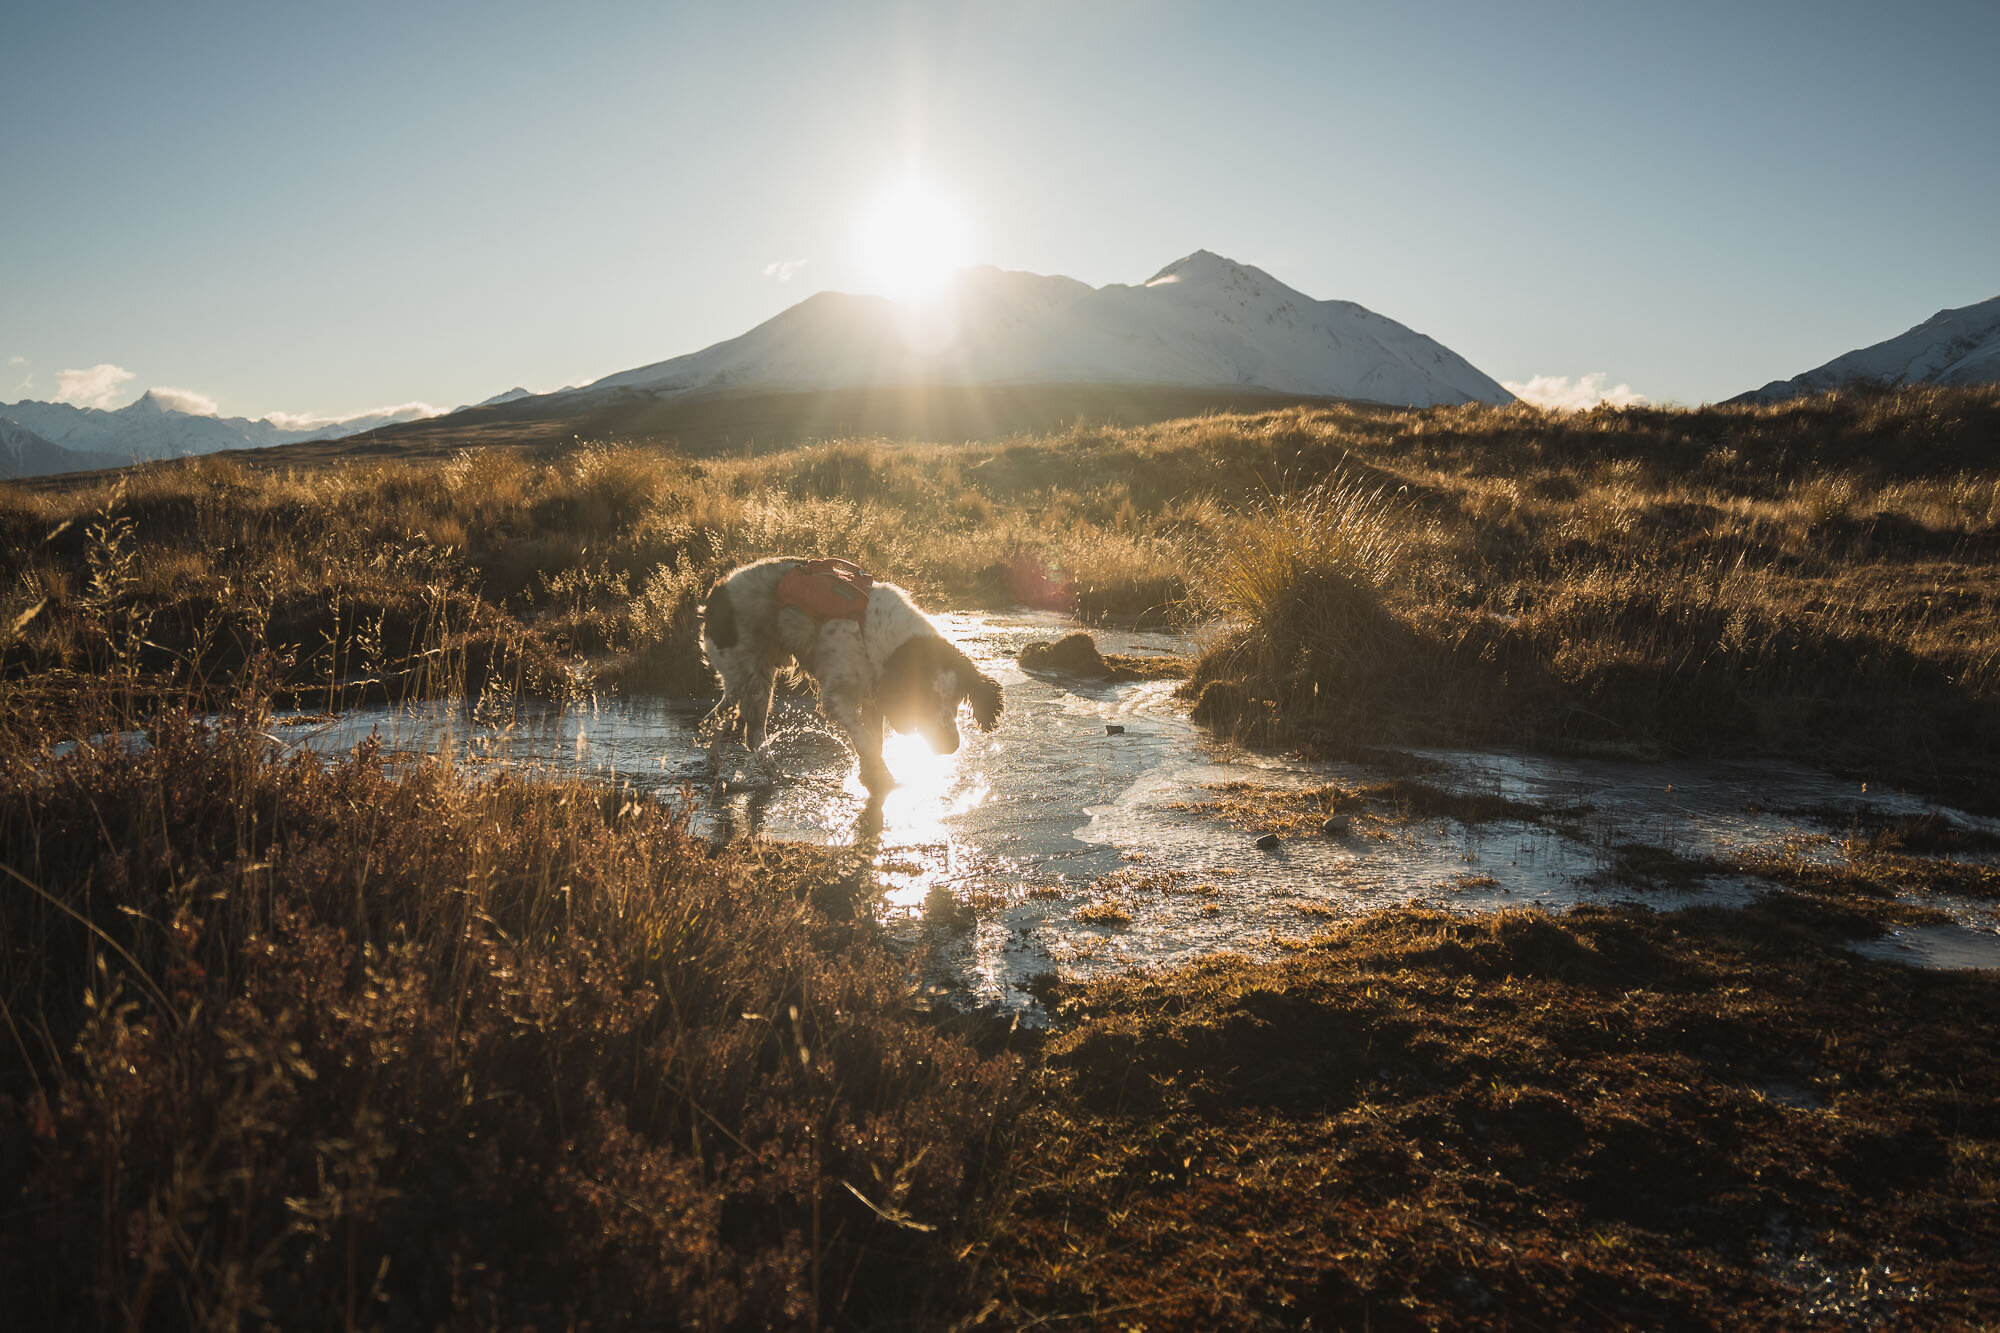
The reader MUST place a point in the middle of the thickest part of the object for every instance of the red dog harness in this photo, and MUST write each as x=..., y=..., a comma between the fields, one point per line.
x=826, y=589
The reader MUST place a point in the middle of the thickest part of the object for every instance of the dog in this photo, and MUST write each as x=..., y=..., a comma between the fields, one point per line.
x=872, y=654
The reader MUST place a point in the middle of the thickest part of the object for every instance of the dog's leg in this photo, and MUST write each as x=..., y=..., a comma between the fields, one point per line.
x=863, y=730
x=846, y=698
x=738, y=669
x=869, y=747
x=756, y=706
x=720, y=724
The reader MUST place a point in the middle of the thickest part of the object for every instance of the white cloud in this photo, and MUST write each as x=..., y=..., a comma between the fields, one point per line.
x=188, y=401
x=410, y=411
x=1562, y=394
x=17, y=360
x=783, y=269
x=95, y=387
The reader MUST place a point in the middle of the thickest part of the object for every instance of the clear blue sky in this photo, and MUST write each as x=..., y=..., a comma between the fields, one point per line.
x=330, y=207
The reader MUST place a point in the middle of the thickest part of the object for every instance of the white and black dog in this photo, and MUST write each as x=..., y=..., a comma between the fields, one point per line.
x=874, y=656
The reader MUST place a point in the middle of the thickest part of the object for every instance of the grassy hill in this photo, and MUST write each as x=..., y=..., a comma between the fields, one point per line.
x=711, y=423
x=1815, y=579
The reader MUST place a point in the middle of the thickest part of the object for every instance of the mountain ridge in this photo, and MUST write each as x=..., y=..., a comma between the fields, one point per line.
x=1954, y=346
x=151, y=428
x=1201, y=321
x=23, y=453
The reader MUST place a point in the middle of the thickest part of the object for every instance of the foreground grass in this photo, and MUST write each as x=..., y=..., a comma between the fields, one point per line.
x=311, y=1045
x=301, y=1045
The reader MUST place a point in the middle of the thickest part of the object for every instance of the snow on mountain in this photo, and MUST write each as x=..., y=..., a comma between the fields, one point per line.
x=1203, y=321
x=150, y=428
x=26, y=454
x=1959, y=346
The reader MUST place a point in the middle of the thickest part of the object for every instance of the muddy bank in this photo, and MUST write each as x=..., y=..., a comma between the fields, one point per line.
x=1605, y=1119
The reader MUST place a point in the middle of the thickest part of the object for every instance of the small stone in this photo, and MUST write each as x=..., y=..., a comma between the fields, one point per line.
x=1336, y=826
x=1268, y=842
x=1113, y=729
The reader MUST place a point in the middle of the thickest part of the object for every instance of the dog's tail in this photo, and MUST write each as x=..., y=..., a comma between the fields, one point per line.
x=718, y=617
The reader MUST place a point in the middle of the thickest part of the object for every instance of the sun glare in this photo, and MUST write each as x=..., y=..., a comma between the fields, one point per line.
x=910, y=240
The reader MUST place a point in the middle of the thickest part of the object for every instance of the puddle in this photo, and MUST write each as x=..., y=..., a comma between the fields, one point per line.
x=1955, y=945
x=989, y=856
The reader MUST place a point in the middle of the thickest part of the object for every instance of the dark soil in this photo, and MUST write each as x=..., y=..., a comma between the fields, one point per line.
x=1612, y=1119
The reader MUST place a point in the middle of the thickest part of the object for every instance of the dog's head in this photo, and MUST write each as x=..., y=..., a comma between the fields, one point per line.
x=925, y=681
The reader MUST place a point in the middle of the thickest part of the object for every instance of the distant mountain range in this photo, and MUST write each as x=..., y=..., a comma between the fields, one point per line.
x=92, y=437
x=26, y=454
x=1200, y=322
x=1006, y=351
x=1959, y=346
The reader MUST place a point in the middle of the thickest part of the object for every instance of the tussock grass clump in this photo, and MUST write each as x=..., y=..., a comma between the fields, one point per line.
x=1815, y=579
x=1334, y=532
x=310, y=1045
x=1302, y=578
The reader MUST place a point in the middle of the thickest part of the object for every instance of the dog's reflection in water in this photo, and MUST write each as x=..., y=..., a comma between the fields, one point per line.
x=732, y=819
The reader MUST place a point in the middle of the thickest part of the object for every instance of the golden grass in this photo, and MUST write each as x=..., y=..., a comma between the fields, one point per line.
x=1816, y=578
x=332, y=1044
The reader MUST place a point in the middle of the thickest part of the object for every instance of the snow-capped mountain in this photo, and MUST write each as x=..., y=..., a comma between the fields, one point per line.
x=26, y=454
x=150, y=428
x=1201, y=321
x=1959, y=346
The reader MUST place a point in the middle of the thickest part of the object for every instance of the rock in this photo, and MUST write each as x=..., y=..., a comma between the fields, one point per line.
x=1268, y=842
x=1336, y=826
x=1075, y=653
x=1113, y=729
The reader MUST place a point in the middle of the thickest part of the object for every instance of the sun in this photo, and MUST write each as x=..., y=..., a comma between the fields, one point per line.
x=911, y=240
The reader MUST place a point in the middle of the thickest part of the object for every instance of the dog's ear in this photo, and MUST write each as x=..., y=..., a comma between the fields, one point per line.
x=983, y=693
x=904, y=690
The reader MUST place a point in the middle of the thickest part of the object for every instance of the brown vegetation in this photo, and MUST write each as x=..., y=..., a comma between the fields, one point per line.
x=316, y=1044
x=302, y=1045
x=1816, y=578
x=1609, y=1119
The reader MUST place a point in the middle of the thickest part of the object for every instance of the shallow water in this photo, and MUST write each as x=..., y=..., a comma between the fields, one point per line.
x=988, y=855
